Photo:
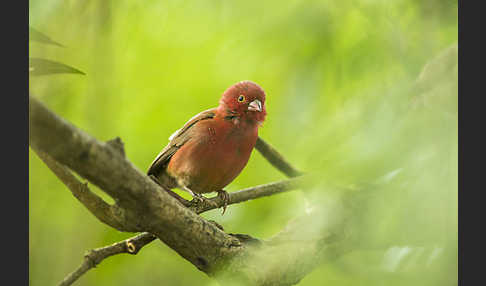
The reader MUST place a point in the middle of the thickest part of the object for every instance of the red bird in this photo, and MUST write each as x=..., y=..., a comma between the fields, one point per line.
x=213, y=147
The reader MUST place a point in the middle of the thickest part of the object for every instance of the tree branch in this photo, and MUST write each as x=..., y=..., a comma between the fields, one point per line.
x=254, y=193
x=106, y=213
x=276, y=159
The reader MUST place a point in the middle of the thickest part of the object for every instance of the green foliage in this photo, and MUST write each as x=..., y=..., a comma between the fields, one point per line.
x=37, y=36
x=347, y=96
x=39, y=66
x=44, y=67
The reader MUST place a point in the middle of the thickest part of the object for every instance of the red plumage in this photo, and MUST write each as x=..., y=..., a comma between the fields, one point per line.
x=213, y=147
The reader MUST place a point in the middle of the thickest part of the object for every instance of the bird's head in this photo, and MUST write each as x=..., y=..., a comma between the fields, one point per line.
x=246, y=100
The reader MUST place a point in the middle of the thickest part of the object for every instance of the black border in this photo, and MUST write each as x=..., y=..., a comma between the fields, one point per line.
x=15, y=142
x=471, y=122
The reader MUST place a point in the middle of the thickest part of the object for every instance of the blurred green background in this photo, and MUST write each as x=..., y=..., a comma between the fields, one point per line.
x=342, y=99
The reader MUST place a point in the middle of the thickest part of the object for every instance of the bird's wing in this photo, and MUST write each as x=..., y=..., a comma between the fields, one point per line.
x=176, y=140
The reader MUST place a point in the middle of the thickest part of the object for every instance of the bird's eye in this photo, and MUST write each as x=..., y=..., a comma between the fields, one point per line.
x=241, y=98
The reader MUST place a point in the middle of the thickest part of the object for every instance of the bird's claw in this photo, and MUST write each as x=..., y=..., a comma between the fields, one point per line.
x=199, y=199
x=224, y=196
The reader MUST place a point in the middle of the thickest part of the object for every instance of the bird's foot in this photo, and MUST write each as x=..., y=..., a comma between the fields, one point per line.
x=199, y=198
x=224, y=196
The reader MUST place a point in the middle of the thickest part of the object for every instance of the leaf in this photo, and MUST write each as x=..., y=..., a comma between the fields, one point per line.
x=37, y=36
x=39, y=66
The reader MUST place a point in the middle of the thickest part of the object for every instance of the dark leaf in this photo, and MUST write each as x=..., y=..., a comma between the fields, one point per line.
x=44, y=67
x=37, y=36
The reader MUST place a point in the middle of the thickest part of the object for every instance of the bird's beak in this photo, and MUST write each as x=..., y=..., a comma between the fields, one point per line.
x=255, y=105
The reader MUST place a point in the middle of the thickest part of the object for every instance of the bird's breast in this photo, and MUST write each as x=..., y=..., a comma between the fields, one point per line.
x=214, y=156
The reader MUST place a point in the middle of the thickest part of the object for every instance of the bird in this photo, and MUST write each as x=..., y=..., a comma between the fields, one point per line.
x=214, y=146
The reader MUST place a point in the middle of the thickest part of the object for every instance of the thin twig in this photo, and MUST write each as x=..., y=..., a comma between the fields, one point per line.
x=95, y=256
x=252, y=193
x=277, y=160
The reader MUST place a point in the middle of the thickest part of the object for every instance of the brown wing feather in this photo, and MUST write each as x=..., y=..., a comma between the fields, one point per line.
x=177, y=140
